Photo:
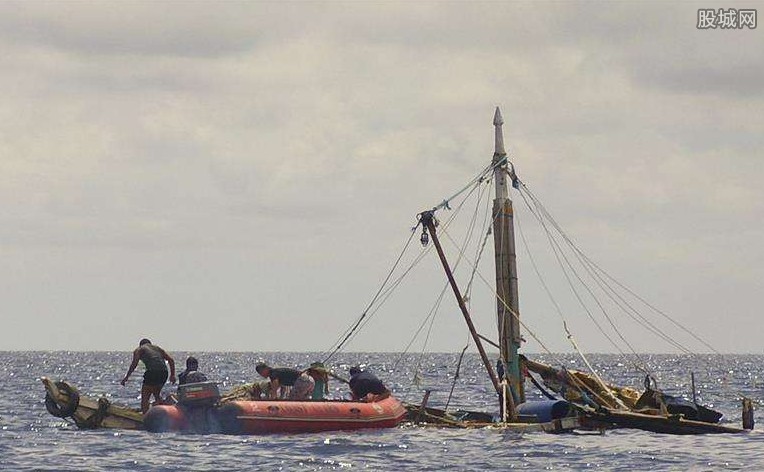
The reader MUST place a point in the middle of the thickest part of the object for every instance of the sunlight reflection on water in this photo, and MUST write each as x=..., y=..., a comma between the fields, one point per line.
x=31, y=439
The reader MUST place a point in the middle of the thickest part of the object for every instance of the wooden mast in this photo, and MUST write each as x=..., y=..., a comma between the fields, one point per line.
x=506, y=266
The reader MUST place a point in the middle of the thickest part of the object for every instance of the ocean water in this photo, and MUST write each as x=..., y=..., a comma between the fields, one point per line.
x=32, y=439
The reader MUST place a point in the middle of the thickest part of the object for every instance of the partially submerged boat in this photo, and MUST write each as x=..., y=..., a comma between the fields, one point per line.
x=583, y=396
x=576, y=400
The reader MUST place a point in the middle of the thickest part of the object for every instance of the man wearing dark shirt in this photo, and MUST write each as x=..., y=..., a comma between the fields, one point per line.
x=363, y=383
x=282, y=378
x=191, y=374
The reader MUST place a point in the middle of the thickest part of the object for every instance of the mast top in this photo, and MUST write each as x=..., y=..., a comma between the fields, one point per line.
x=498, y=120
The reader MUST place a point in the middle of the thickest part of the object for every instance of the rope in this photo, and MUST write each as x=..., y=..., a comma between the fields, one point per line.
x=601, y=278
x=433, y=312
x=384, y=293
x=427, y=337
x=466, y=241
x=477, y=179
x=374, y=299
x=456, y=375
x=479, y=253
x=555, y=249
x=636, y=316
x=594, y=372
x=646, y=303
x=421, y=326
x=501, y=300
x=95, y=420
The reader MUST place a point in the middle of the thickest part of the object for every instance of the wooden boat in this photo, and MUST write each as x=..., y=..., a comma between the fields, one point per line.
x=585, y=397
x=63, y=400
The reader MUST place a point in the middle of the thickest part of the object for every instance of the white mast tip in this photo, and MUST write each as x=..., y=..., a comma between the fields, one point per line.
x=497, y=118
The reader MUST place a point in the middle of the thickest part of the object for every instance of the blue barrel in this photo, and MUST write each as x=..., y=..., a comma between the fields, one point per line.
x=545, y=410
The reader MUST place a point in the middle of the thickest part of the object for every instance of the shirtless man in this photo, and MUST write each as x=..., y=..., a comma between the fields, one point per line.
x=153, y=357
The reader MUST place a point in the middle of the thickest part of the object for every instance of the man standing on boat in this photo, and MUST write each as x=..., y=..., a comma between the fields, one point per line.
x=282, y=378
x=153, y=357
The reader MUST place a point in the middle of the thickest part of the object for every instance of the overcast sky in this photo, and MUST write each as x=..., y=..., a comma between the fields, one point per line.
x=241, y=176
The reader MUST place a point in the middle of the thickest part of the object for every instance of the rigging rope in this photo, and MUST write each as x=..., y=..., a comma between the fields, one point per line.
x=365, y=312
x=603, y=280
x=477, y=179
x=467, y=238
x=456, y=374
x=646, y=303
x=644, y=322
x=596, y=376
x=479, y=254
x=421, y=326
x=385, y=293
x=636, y=316
x=500, y=299
x=555, y=249
x=389, y=291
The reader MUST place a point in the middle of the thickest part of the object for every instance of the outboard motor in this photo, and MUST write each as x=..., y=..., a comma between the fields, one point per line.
x=199, y=394
x=195, y=412
x=198, y=401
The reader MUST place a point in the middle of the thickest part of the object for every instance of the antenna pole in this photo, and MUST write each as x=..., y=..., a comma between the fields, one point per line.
x=427, y=219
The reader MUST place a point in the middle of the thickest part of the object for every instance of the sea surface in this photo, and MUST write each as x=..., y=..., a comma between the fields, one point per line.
x=32, y=439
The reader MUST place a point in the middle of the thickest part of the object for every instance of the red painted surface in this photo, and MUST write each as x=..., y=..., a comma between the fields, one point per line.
x=279, y=416
x=298, y=417
x=165, y=418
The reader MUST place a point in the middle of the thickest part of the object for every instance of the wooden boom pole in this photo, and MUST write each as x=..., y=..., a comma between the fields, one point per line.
x=427, y=221
x=507, y=306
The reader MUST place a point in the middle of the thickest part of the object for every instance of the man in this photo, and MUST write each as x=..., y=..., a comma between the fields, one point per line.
x=191, y=374
x=153, y=358
x=363, y=383
x=282, y=378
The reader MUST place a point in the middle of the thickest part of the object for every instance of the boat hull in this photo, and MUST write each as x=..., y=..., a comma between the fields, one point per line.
x=62, y=401
x=276, y=416
x=671, y=424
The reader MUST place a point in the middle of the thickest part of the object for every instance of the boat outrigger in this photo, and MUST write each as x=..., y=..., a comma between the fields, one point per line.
x=575, y=400
x=63, y=400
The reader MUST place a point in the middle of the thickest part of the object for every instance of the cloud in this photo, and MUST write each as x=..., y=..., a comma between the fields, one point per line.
x=134, y=28
x=290, y=146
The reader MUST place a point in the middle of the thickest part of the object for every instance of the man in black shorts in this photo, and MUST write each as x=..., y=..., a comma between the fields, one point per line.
x=153, y=357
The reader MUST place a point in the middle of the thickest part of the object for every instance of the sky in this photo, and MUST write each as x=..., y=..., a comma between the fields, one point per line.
x=241, y=176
